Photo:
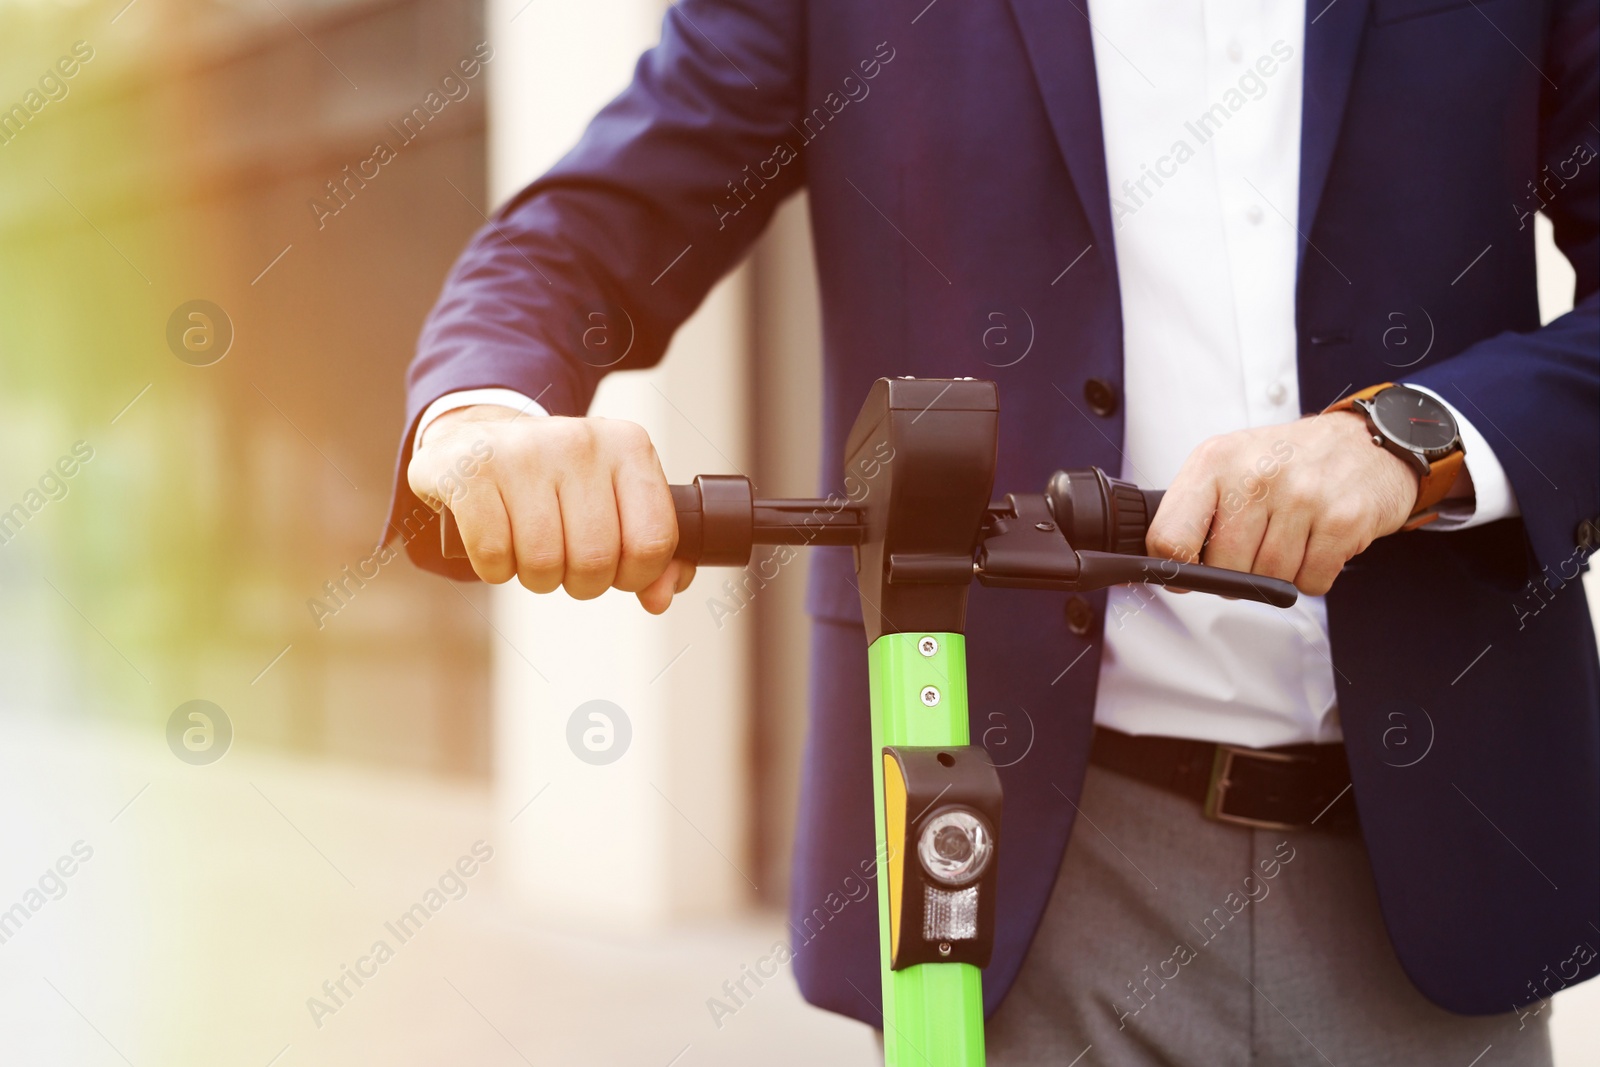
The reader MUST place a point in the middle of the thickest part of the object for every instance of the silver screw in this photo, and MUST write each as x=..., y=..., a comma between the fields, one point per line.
x=928, y=646
x=930, y=696
x=944, y=948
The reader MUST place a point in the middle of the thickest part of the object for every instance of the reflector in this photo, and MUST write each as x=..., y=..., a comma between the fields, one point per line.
x=950, y=916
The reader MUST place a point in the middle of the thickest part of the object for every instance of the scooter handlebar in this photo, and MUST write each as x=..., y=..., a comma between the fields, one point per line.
x=720, y=519
x=1101, y=523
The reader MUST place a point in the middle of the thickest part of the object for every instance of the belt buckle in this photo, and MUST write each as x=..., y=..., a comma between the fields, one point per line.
x=1217, y=791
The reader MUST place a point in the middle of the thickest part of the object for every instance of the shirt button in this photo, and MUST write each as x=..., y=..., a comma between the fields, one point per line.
x=1254, y=214
x=1080, y=616
x=1101, y=396
x=1235, y=51
x=1277, y=393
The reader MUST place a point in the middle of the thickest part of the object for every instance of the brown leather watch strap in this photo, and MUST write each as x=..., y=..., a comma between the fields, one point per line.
x=1431, y=487
x=1441, y=476
x=1346, y=403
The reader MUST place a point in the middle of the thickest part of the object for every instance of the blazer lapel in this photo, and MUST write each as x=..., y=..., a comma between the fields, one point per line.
x=1333, y=38
x=1056, y=34
x=1060, y=49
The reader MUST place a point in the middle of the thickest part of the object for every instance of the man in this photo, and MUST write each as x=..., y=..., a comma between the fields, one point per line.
x=1231, y=227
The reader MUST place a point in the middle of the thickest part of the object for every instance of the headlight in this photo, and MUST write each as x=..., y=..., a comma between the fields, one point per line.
x=955, y=847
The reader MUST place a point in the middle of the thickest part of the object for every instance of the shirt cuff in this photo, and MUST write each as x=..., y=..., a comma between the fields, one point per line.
x=1482, y=492
x=466, y=398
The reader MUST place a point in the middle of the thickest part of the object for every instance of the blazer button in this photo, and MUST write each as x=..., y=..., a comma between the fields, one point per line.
x=1102, y=397
x=1080, y=616
x=1587, y=535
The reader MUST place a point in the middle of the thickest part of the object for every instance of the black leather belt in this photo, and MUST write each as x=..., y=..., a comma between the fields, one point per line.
x=1292, y=787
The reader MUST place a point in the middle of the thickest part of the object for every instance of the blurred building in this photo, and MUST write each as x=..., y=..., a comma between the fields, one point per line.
x=183, y=160
x=311, y=169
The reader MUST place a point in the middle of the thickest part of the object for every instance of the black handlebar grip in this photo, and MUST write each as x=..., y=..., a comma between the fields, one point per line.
x=1098, y=513
x=716, y=522
x=450, y=544
x=686, y=502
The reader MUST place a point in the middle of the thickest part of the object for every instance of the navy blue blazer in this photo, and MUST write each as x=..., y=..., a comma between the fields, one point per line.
x=953, y=154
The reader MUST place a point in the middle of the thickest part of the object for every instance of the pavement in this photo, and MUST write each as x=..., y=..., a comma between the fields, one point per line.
x=270, y=911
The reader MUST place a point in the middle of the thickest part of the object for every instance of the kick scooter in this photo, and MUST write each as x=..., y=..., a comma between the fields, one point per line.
x=922, y=454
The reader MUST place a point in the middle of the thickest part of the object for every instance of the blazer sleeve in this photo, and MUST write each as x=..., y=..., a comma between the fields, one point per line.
x=594, y=265
x=1536, y=396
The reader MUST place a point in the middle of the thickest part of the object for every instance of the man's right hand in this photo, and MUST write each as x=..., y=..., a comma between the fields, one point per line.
x=579, y=503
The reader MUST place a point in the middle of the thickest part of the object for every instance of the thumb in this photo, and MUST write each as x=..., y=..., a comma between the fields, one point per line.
x=423, y=476
x=657, y=596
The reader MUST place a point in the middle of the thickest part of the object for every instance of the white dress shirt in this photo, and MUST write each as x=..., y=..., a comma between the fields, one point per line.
x=1206, y=266
x=1206, y=260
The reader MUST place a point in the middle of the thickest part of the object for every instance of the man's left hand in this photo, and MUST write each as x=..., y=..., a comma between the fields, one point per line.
x=1295, y=501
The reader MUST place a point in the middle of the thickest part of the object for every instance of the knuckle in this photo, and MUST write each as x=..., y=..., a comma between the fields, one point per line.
x=1274, y=565
x=575, y=439
x=1297, y=491
x=1342, y=523
x=492, y=549
x=1210, y=450
x=650, y=546
x=630, y=438
x=539, y=565
x=493, y=564
x=1320, y=568
x=492, y=575
x=539, y=562
x=1219, y=544
x=1314, y=579
x=539, y=547
x=1222, y=447
x=538, y=581
x=1160, y=542
x=591, y=562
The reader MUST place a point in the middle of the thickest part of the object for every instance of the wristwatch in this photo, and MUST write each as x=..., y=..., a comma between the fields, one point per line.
x=1420, y=430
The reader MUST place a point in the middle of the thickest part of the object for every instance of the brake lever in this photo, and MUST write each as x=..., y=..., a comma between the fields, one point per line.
x=1096, y=570
x=1023, y=548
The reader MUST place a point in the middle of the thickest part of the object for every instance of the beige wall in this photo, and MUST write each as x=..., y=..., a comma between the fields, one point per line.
x=662, y=832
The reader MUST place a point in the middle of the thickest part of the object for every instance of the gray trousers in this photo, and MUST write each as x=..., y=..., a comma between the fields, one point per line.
x=1174, y=940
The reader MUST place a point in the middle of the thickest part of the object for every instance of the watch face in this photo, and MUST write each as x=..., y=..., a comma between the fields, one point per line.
x=1414, y=419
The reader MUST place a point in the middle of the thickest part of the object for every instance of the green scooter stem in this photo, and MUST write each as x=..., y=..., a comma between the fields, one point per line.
x=932, y=1012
